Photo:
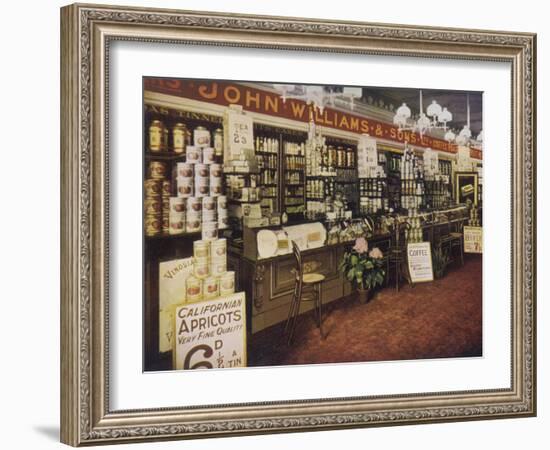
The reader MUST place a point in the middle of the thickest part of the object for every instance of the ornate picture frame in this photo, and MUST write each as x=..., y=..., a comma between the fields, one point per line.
x=86, y=35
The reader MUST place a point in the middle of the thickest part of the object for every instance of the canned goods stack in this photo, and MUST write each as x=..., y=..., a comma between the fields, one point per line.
x=209, y=218
x=223, y=221
x=210, y=278
x=194, y=214
x=177, y=208
x=216, y=172
x=166, y=191
x=153, y=207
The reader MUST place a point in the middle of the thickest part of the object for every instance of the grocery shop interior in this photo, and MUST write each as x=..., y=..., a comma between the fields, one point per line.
x=301, y=224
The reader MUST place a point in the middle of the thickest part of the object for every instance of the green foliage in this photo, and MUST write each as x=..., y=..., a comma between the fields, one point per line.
x=440, y=261
x=361, y=269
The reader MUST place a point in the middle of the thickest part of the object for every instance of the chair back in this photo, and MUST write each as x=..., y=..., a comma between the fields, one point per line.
x=298, y=257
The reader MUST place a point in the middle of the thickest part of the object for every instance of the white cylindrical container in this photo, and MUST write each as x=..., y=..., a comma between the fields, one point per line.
x=201, y=267
x=209, y=216
x=177, y=205
x=184, y=170
x=209, y=230
x=211, y=288
x=193, y=289
x=176, y=223
x=218, y=266
x=185, y=186
x=216, y=170
x=201, y=137
x=194, y=205
x=209, y=204
x=208, y=155
x=222, y=202
x=192, y=154
x=202, y=186
x=218, y=248
x=201, y=249
x=227, y=284
x=193, y=222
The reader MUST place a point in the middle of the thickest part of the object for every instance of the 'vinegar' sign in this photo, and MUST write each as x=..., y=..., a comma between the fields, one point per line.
x=172, y=277
x=419, y=259
x=211, y=334
x=473, y=239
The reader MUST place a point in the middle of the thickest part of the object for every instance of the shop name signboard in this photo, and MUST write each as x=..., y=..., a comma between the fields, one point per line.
x=266, y=102
x=210, y=334
x=473, y=239
x=419, y=260
x=172, y=277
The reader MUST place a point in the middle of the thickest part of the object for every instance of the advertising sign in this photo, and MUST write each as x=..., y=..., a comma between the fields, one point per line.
x=473, y=239
x=419, y=259
x=172, y=276
x=210, y=334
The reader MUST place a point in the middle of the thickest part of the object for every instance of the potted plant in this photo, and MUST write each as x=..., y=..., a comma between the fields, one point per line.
x=363, y=268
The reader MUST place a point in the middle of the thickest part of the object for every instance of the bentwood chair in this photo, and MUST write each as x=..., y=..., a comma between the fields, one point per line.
x=307, y=287
x=452, y=238
x=397, y=254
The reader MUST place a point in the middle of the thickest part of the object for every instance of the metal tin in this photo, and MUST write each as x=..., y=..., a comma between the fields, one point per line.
x=153, y=224
x=155, y=136
x=192, y=223
x=177, y=205
x=218, y=248
x=223, y=222
x=166, y=188
x=218, y=266
x=193, y=289
x=153, y=188
x=202, y=187
x=208, y=155
x=209, y=230
x=218, y=142
x=201, y=268
x=208, y=204
x=202, y=171
x=227, y=283
x=222, y=202
x=158, y=170
x=192, y=154
x=216, y=170
x=201, y=249
x=184, y=170
x=211, y=288
x=152, y=205
x=185, y=187
x=209, y=216
x=201, y=137
x=179, y=135
x=194, y=204
x=165, y=223
x=215, y=191
x=177, y=223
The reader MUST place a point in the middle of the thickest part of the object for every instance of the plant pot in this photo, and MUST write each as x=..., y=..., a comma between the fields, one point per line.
x=363, y=295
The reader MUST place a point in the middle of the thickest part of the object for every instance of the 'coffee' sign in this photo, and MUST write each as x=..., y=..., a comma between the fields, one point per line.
x=211, y=334
x=419, y=259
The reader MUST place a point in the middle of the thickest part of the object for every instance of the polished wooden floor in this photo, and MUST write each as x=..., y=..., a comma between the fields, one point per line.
x=440, y=319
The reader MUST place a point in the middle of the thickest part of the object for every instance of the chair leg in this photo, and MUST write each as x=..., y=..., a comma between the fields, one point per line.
x=320, y=306
x=291, y=309
x=296, y=313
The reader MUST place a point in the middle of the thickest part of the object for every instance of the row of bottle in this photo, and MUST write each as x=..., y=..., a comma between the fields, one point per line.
x=266, y=145
x=319, y=189
x=295, y=162
x=267, y=161
x=295, y=148
x=372, y=187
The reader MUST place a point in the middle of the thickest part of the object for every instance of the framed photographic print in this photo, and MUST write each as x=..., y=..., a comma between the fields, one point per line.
x=261, y=213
